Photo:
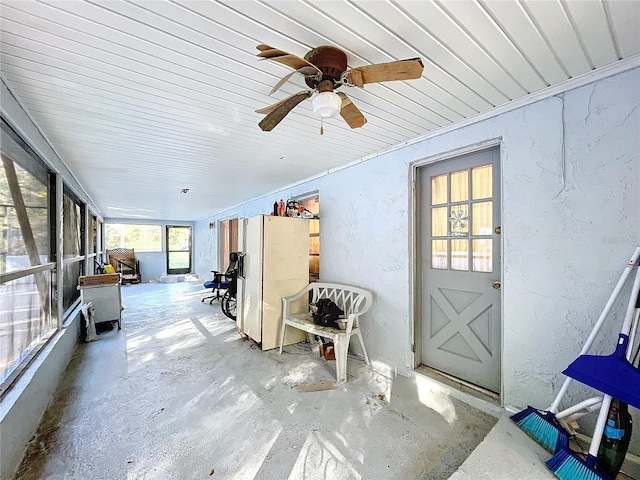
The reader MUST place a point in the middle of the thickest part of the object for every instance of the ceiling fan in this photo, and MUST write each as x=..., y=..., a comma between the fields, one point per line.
x=325, y=70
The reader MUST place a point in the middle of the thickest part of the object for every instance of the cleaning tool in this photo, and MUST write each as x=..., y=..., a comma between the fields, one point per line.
x=612, y=374
x=543, y=426
x=567, y=465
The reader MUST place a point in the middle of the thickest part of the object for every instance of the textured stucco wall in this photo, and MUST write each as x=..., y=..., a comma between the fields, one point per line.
x=570, y=222
x=205, y=256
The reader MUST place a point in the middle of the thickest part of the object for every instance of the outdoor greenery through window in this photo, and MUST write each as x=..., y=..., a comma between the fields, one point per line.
x=141, y=238
x=26, y=319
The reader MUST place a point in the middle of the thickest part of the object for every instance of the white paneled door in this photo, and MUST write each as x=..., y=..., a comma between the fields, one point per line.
x=460, y=267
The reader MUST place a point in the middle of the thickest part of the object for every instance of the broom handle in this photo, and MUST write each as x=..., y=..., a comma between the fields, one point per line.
x=587, y=405
x=599, y=429
x=605, y=312
x=628, y=317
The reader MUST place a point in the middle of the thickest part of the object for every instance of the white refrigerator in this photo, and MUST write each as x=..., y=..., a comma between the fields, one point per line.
x=275, y=265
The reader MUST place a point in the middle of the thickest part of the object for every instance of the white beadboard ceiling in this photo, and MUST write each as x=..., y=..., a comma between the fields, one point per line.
x=144, y=98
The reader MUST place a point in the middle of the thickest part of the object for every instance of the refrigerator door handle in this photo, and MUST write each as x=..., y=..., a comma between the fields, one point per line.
x=241, y=264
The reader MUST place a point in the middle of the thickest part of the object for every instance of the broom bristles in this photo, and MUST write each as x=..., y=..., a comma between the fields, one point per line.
x=567, y=466
x=543, y=428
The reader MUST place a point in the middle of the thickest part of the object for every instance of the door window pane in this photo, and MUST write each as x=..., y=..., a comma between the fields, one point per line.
x=459, y=220
x=460, y=186
x=439, y=254
x=482, y=218
x=179, y=238
x=481, y=182
x=439, y=222
x=482, y=255
x=438, y=190
x=179, y=260
x=460, y=254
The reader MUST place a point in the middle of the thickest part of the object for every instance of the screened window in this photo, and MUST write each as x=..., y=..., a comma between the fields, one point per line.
x=141, y=238
x=72, y=248
x=92, y=231
x=26, y=319
x=24, y=209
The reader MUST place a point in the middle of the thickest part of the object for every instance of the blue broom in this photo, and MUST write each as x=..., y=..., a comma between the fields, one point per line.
x=543, y=426
x=567, y=465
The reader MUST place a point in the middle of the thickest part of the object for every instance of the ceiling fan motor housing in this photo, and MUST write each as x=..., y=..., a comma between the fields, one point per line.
x=331, y=61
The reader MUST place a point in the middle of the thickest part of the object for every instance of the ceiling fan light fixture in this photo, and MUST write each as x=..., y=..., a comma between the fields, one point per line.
x=326, y=104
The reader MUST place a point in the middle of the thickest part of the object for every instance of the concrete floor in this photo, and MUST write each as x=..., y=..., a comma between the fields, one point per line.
x=177, y=394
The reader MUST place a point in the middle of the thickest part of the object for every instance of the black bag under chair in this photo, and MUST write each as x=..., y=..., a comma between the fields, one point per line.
x=326, y=313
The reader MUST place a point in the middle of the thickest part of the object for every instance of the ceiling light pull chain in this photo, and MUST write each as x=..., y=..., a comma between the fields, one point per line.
x=321, y=128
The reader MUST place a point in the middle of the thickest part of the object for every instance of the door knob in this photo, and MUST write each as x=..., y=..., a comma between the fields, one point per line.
x=497, y=284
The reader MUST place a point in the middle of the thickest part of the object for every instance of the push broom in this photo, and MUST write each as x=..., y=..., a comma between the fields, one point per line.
x=615, y=377
x=543, y=426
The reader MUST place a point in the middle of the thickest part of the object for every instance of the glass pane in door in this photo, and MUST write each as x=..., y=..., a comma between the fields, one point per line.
x=481, y=181
x=178, y=250
x=482, y=255
x=439, y=254
x=439, y=222
x=460, y=255
x=482, y=218
x=438, y=190
x=460, y=186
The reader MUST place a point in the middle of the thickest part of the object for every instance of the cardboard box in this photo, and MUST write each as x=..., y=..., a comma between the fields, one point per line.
x=93, y=280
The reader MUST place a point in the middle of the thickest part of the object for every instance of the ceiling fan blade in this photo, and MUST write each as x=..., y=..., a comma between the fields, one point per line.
x=385, y=72
x=285, y=58
x=271, y=108
x=306, y=71
x=350, y=113
x=281, y=109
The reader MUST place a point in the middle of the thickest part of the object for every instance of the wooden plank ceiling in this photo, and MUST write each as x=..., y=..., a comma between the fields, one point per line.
x=142, y=99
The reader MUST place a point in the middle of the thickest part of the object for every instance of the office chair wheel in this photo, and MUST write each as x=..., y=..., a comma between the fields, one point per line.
x=228, y=305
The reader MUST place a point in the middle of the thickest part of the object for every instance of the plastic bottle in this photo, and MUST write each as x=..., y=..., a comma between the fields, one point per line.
x=281, y=208
x=275, y=208
x=615, y=439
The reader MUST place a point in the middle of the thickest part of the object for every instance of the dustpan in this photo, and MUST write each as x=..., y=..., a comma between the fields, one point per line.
x=612, y=374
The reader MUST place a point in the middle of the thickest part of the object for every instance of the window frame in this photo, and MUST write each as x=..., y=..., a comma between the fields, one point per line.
x=106, y=246
x=34, y=165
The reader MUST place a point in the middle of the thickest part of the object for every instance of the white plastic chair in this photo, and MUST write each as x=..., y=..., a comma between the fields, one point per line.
x=352, y=300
